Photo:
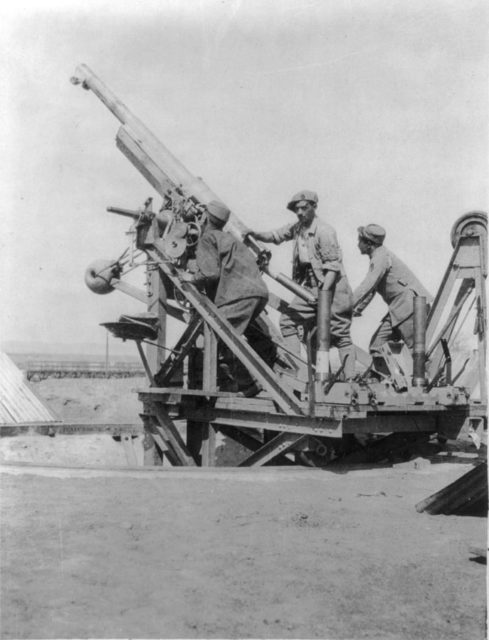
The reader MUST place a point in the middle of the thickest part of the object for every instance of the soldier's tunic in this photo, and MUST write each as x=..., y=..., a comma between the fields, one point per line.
x=316, y=250
x=233, y=281
x=229, y=269
x=397, y=285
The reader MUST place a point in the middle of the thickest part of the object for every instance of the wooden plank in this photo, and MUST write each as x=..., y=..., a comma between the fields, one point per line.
x=257, y=420
x=208, y=446
x=404, y=405
x=180, y=351
x=169, y=452
x=259, y=403
x=210, y=360
x=170, y=434
x=466, y=493
x=69, y=429
x=165, y=448
x=195, y=430
x=145, y=362
x=158, y=440
x=162, y=393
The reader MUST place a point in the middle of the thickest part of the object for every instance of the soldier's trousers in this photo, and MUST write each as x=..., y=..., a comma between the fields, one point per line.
x=385, y=332
x=243, y=316
x=304, y=313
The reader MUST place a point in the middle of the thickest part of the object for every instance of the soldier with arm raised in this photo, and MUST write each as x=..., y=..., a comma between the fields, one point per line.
x=317, y=264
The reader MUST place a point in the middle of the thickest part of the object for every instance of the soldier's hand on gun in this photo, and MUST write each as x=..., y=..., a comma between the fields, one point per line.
x=185, y=276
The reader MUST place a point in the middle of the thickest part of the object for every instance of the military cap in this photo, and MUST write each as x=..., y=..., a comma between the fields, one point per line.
x=310, y=196
x=373, y=232
x=218, y=210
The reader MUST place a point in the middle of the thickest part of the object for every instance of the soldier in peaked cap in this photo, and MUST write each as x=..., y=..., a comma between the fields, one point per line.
x=308, y=196
x=228, y=271
x=317, y=263
x=395, y=283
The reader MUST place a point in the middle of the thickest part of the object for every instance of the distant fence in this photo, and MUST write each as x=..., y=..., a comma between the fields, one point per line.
x=42, y=369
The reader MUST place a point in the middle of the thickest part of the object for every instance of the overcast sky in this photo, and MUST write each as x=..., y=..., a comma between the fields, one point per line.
x=381, y=106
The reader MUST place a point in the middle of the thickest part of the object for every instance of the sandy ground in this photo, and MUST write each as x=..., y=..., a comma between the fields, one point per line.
x=228, y=553
x=92, y=400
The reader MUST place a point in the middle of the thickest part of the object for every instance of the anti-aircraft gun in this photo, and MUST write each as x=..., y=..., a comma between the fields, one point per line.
x=306, y=414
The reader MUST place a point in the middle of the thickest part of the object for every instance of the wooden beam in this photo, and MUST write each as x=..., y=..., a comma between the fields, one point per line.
x=257, y=420
x=180, y=351
x=280, y=444
x=69, y=429
x=208, y=451
x=250, y=442
x=210, y=360
x=170, y=434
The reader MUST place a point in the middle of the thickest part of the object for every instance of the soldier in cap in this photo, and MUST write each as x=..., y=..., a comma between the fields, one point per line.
x=317, y=263
x=395, y=283
x=228, y=271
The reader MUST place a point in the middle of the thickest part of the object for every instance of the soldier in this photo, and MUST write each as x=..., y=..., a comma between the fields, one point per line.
x=230, y=275
x=396, y=284
x=317, y=263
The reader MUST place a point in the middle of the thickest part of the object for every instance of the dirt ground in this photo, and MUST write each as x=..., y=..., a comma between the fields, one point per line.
x=230, y=553
x=92, y=400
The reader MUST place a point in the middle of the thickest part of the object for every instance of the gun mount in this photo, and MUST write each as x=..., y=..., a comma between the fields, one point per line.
x=303, y=415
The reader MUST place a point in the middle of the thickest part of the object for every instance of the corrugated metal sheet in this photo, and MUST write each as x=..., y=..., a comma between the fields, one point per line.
x=465, y=496
x=18, y=403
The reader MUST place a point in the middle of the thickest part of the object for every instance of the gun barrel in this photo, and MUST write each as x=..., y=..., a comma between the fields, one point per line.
x=160, y=154
x=128, y=213
x=154, y=148
x=156, y=162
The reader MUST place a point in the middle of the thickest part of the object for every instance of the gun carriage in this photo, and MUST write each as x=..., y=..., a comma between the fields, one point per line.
x=304, y=415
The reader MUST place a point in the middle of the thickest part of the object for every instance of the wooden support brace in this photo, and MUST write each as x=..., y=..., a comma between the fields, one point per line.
x=250, y=442
x=241, y=437
x=208, y=446
x=210, y=359
x=180, y=351
x=280, y=444
x=162, y=445
x=170, y=434
x=145, y=363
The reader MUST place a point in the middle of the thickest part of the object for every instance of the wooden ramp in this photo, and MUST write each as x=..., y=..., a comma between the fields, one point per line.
x=467, y=496
x=18, y=402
